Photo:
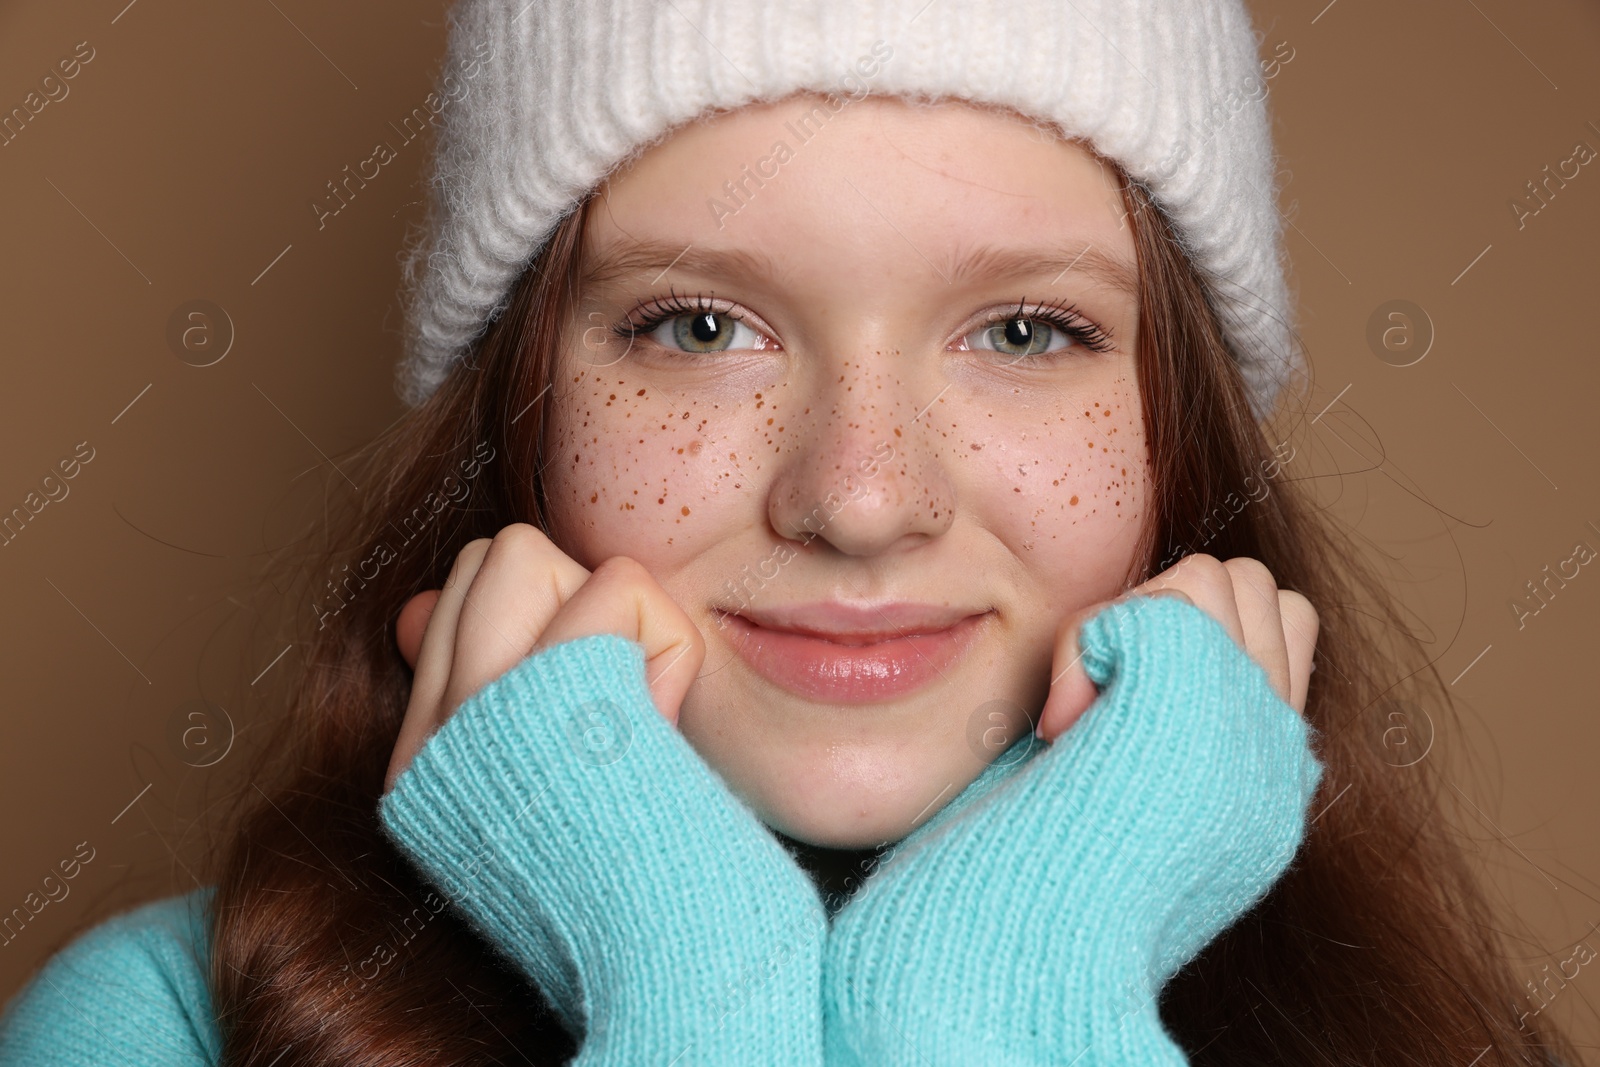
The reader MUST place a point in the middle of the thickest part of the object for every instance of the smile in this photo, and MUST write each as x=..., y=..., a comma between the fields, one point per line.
x=854, y=670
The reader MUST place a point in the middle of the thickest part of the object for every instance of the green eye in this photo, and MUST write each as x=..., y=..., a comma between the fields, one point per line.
x=699, y=331
x=705, y=331
x=1019, y=337
x=1026, y=333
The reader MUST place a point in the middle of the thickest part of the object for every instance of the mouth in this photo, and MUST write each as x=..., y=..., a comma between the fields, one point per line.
x=852, y=666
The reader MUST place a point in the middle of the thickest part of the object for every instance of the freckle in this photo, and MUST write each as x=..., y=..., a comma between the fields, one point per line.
x=976, y=447
x=686, y=509
x=593, y=497
x=1074, y=500
x=897, y=431
x=1056, y=482
x=769, y=422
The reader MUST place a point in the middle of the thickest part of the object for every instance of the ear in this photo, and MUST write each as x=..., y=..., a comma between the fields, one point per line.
x=413, y=623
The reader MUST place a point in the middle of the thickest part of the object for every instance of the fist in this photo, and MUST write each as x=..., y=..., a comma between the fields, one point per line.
x=1277, y=627
x=514, y=594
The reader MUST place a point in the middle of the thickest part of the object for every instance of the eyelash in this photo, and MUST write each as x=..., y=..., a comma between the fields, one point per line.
x=1062, y=316
x=675, y=305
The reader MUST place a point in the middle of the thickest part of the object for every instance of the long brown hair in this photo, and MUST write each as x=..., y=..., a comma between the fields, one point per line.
x=327, y=949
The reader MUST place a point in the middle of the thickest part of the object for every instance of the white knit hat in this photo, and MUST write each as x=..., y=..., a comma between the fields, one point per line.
x=547, y=97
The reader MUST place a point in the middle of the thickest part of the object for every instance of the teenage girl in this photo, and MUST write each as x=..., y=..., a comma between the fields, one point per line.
x=863, y=613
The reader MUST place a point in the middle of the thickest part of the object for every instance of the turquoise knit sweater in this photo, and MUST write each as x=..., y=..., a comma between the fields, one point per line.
x=1032, y=920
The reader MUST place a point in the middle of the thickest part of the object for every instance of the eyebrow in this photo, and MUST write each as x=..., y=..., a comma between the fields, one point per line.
x=656, y=258
x=1104, y=267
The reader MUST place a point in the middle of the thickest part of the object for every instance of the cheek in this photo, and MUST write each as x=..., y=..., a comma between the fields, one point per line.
x=630, y=472
x=1067, y=492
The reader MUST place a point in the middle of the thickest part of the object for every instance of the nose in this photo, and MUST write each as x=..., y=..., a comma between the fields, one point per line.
x=861, y=474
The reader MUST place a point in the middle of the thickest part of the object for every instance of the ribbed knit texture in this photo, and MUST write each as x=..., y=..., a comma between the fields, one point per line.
x=1036, y=921
x=552, y=95
x=1032, y=920
x=578, y=830
x=129, y=992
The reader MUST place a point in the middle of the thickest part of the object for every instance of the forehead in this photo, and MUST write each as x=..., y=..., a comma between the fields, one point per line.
x=947, y=190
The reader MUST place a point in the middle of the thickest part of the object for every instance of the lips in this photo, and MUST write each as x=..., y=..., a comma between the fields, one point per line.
x=832, y=653
x=858, y=624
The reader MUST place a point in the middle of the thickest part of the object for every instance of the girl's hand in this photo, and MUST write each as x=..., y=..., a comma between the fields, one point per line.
x=1037, y=916
x=515, y=594
x=648, y=904
x=1277, y=627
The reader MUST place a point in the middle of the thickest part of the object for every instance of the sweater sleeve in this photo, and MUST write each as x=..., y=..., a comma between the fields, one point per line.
x=1036, y=919
x=130, y=992
x=586, y=840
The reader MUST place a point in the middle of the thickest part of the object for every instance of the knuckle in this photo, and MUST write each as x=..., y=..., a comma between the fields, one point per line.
x=1251, y=571
x=521, y=537
x=1200, y=563
x=1295, y=606
x=469, y=559
x=622, y=569
x=516, y=550
x=1208, y=573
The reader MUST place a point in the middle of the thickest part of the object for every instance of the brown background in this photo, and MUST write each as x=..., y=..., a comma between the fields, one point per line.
x=182, y=166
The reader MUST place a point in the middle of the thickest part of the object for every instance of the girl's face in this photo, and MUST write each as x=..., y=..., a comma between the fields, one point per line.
x=886, y=364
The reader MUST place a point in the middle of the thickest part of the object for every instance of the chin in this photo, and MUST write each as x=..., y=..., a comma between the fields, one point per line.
x=844, y=813
x=839, y=779
x=843, y=832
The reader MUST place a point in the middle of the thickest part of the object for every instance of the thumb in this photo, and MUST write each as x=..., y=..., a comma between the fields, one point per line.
x=1072, y=691
x=413, y=623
